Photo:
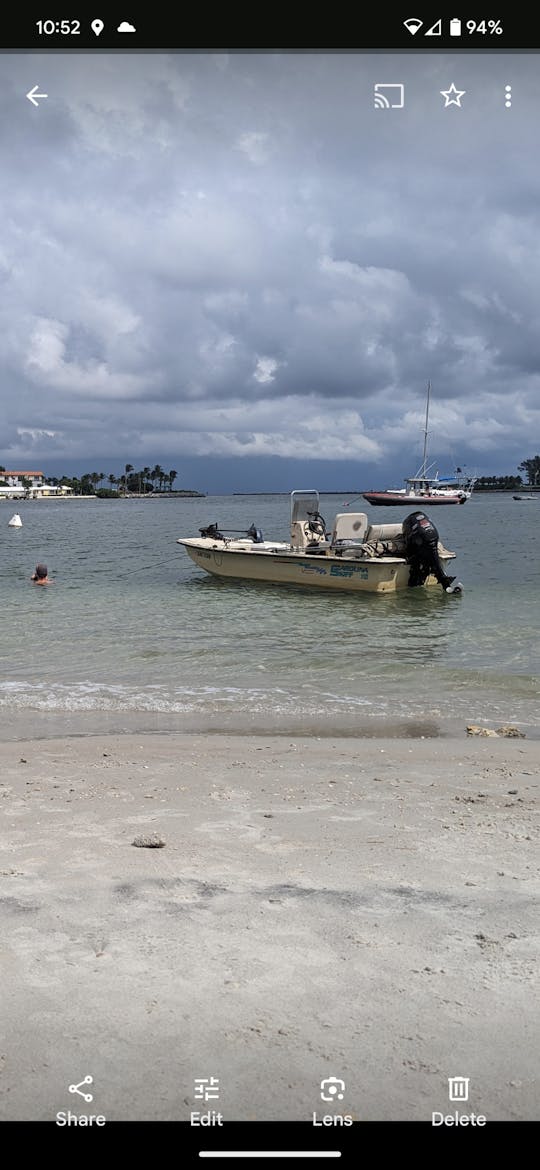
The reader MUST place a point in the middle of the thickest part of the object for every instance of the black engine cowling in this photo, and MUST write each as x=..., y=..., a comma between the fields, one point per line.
x=421, y=541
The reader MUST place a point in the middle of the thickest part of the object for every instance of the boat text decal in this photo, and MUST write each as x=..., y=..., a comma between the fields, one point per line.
x=348, y=570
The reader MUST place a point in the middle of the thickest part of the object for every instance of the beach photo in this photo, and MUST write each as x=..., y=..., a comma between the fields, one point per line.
x=269, y=497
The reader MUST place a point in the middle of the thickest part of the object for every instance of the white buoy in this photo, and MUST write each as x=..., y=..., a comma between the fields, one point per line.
x=15, y=521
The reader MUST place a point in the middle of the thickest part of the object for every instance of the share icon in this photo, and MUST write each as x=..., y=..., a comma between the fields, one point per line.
x=77, y=1088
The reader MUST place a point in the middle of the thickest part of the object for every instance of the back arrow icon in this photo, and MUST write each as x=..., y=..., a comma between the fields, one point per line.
x=33, y=94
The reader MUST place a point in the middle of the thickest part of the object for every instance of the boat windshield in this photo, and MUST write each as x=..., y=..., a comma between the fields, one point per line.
x=304, y=504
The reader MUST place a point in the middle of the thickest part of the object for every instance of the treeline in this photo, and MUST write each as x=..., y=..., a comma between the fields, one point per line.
x=531, y=467
x=498, y=482
x=148, y=479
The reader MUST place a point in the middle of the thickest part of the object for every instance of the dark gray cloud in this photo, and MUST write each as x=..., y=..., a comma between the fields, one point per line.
x=239, y=256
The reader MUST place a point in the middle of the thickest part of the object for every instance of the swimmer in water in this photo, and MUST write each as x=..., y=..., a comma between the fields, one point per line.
x=40, y=576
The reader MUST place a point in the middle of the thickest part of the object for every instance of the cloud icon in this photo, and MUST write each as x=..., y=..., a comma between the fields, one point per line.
x=126, y=27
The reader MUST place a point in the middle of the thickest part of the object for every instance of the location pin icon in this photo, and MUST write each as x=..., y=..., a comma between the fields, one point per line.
x=97, y=26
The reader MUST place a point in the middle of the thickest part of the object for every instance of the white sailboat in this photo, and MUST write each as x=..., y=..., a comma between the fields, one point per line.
x=422, y=488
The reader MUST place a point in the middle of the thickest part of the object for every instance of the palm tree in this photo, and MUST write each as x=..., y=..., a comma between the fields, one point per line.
x=112, y=479
x=532, y=468
x=146, y=473
x=127, y=469
x=158, y=473
x=172, y=476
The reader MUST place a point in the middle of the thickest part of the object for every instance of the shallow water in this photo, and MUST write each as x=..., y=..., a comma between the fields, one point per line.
x=133, y=635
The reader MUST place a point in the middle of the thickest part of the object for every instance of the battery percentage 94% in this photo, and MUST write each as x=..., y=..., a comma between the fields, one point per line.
x=493, y=27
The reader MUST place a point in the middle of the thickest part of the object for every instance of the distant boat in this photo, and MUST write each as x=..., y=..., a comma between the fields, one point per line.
x=15, y=521
x=423, y=489
x=536, y=497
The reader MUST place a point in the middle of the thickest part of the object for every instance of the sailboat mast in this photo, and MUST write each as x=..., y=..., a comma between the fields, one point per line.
x=426, y=432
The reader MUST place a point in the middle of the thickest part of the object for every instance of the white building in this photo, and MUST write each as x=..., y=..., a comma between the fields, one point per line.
x=13, y=488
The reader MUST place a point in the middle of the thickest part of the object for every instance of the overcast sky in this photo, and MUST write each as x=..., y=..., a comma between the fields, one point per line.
x=236, y=266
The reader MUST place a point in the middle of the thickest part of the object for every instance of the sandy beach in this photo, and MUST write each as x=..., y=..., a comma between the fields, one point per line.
x=358, y=908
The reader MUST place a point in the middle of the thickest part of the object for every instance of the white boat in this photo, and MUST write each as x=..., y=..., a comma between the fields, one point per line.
x=536, y=497
x=353, y=556
x=425, y=490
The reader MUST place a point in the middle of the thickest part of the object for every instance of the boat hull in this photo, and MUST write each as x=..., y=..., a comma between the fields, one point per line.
x=395, y=499
x=329, y=572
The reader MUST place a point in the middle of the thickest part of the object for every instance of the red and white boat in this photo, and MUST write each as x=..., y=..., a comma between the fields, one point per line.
x=425, y=490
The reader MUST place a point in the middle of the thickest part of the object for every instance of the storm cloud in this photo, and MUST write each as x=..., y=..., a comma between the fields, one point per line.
x=236, y=260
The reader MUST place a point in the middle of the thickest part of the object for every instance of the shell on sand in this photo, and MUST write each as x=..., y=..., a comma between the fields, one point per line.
x=150, y=841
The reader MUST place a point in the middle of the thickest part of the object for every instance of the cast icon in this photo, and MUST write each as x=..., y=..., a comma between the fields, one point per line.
x=388, y=95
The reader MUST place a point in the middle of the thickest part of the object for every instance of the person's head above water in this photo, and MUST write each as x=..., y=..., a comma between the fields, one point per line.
x=40, y=576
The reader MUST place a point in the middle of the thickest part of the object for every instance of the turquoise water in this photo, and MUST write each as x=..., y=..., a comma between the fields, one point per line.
x=134, y=636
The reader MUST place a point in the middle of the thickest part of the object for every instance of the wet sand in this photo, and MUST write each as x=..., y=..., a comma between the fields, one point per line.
x=358, y=908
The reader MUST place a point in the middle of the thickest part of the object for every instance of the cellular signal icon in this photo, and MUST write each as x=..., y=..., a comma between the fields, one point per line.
x=390, y=96
x=413, y=25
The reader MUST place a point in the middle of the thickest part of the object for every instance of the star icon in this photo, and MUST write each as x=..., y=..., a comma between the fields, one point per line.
x=452, y=96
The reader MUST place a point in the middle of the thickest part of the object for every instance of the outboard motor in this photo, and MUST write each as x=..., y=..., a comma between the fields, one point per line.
x=255, y=534
x=421, y=541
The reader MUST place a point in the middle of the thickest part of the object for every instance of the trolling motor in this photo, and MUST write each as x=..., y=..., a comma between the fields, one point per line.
x=214, y=533
x=421, y=541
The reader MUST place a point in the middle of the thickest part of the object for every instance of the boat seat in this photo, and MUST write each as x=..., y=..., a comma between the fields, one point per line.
x=350, y=526
x=383, y=532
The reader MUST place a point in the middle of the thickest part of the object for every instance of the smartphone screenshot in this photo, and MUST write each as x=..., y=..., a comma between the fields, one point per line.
x=269, y=493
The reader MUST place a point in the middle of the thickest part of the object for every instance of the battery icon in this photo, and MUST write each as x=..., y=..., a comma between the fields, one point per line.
x=455, y=27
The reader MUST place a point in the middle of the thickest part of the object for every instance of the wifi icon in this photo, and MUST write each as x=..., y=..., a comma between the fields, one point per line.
x=412, y=25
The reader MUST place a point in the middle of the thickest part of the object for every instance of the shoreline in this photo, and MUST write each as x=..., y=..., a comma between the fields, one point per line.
x=50, y=724
x=363, y=908
x=94, y=496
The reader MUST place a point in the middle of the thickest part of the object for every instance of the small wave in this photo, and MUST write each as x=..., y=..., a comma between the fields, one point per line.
x=89, y=696
x=92, y=696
